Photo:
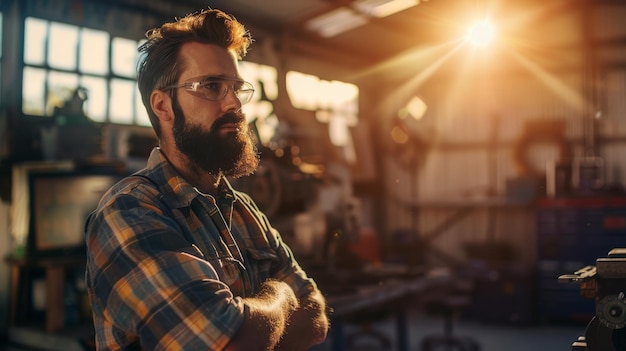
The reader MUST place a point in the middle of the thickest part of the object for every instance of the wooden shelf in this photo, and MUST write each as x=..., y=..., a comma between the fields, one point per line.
x=54, y=270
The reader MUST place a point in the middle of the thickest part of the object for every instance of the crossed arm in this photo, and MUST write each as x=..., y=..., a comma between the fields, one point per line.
x=276, y=320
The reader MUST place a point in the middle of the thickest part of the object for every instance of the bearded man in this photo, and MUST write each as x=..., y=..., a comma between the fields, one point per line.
x=176, y=258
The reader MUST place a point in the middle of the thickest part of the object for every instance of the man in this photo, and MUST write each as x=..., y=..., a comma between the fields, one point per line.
x=176, y=259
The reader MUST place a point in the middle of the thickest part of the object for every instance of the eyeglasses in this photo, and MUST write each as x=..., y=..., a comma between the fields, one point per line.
x=215, y=88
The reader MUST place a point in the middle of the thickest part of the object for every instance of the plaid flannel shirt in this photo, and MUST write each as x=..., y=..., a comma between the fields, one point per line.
x=167, y=266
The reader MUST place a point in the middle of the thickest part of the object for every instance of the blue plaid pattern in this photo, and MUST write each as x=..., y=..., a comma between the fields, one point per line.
x=167, y=266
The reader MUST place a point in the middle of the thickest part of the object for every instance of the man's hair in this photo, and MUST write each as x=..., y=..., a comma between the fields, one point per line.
x=159, y=64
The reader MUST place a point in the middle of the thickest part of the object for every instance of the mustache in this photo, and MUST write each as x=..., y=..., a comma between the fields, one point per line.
x=229, y=117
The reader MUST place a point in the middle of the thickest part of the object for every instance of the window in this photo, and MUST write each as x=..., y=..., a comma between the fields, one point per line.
x=309, y=92
x=334, y=102
x=60, y=57
x=261, y=109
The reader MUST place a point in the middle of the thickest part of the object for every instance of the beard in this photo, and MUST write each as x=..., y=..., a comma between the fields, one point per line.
x=233, y=154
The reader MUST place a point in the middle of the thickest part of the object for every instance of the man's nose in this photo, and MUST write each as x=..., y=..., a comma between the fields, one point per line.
x=231, y=101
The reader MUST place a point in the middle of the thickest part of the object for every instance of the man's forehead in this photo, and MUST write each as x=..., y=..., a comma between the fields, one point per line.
x=201, y=59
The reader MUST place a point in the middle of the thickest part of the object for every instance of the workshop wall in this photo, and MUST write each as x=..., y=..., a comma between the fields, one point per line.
x=494, y=133
x=480, y=157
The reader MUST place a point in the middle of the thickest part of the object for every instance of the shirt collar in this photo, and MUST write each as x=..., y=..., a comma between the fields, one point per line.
x=180, y=192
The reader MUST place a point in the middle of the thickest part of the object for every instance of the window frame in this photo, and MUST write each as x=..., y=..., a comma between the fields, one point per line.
x=109, y=77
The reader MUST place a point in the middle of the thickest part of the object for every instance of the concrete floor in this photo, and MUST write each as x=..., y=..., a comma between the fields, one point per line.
x=490, y=337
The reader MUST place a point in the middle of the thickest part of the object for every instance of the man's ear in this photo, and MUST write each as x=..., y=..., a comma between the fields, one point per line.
x=161, y=104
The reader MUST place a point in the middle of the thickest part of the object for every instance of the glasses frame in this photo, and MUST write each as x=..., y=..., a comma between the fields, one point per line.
x=194, y=87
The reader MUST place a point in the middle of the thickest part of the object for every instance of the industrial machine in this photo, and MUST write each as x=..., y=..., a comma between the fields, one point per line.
x=606, y=283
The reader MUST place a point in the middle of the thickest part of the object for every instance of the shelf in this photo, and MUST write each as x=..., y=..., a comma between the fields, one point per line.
x=54, y=269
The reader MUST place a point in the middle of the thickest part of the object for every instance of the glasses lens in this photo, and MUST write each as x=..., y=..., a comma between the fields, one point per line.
x=245, y=93
x=213, y=89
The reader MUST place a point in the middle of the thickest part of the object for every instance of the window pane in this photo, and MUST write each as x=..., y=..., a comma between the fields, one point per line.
x=264, y=79
x=94, y=51
x=311, y=93
x=121, y=106
x=33, y=99
x=91, y=57
x=35, y=41
x=140, y=110
x=62, y=45
x=124, y=57
x=97, y=97
x=261, y=76
x=303, y=90
x=61, y=86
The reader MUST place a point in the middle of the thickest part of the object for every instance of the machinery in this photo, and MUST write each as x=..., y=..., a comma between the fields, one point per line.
x=606, y=283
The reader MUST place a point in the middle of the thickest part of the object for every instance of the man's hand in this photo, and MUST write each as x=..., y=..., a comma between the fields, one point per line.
x=266, y=318
x=307, y=326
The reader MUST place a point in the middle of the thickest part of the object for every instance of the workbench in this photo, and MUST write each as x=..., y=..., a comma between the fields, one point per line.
x=391, y=294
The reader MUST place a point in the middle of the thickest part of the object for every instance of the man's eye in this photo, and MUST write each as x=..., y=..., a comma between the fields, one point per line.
x=212, y=85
